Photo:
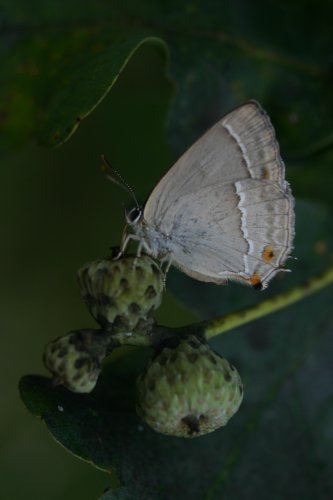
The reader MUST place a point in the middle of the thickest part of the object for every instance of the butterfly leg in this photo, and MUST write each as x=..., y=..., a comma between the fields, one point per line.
x=168, y=259
x=127, y=237
x=143, y=246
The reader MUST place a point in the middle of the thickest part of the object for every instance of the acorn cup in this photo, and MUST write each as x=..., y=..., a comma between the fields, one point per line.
x=188, y=389
x=75, y=360
x=122, y=294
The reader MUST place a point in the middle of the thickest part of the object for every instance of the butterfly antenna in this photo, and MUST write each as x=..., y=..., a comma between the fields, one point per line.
x=114, y=176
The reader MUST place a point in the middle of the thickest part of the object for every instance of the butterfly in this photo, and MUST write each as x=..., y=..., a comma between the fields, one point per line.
x=224, y=211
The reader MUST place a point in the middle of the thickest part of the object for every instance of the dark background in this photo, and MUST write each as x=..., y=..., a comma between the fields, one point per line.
x=58, y=212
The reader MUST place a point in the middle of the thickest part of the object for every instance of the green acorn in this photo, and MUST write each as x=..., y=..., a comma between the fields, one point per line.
x=188, y=389
x=122, y=294
x=75, y=359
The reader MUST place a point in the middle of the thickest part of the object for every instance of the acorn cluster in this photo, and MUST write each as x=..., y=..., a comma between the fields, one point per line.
x=75, y=360
x=186, y=390
x=121, y=295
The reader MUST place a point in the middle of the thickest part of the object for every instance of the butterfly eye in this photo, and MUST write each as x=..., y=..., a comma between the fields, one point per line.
x=134, y=215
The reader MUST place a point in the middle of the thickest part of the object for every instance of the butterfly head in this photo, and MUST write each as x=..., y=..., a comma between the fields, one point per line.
x=134, y=215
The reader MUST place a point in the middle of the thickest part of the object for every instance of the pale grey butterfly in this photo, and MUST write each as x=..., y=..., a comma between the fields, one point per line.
x=224, y=211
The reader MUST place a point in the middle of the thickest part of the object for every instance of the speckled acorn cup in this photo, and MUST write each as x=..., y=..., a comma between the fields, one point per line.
x=75, y=360
x=122, y=294
x=188, y=389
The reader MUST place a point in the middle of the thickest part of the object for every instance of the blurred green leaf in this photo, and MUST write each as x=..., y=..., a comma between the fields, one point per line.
x=60, y=62
x=86, y=84
x=54, y=81
x=282, y=430
x=312, y=177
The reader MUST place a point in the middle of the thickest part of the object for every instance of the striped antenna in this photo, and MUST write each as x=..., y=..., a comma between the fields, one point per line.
x=114, y=176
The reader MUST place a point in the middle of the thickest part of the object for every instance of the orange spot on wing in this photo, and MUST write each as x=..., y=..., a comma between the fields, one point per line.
x=255, y=280
x=267, y=253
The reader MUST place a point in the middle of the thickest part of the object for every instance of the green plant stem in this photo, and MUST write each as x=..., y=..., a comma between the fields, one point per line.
x=222, y=324
x=137, y=339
